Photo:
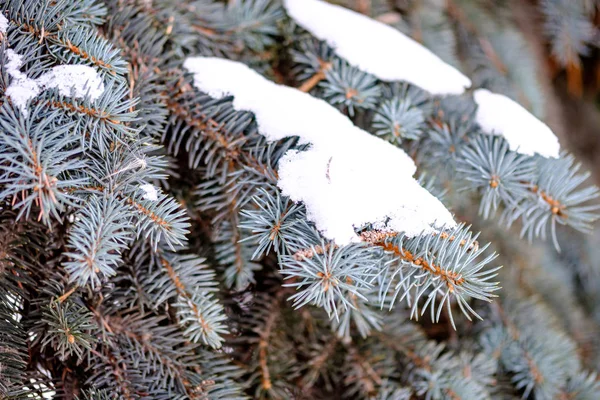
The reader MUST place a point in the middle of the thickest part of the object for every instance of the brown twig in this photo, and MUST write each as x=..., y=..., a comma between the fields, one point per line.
x=65, y=296
x=310, y=253
x=452, y=279
x=309, y=84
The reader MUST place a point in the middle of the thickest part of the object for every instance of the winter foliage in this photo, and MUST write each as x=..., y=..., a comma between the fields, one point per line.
x=339, y=195
x=525, y=134
x=375, y=47
x=76, y=81
x=290, y=199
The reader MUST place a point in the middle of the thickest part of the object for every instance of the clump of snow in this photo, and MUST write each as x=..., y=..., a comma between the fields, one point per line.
x=376, y=48
x=73, y=218
x=150, y=192
x=3, y=24
x=75, y=81
x=21, y=88
x=347, y=177
x=499, y=115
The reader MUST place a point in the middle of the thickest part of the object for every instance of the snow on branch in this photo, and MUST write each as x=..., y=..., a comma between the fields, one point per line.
x=75, y=81
x=3, y=24
x=347, y=178
x=150, y=192
x=376, y=48
x=525, y=134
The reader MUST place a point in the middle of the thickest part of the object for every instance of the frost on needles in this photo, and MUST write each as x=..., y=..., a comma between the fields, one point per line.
x=337, y=177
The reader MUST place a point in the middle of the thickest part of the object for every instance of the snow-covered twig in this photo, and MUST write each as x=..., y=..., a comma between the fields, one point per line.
x=499, y=115
x=376, y=48
x=75, y=81
x=347, y=178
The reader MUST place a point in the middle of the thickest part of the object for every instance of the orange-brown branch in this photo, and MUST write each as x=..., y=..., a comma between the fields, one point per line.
x=118, y=372
x=556, y=207
x=318, y=362
x=452, y=279
x=45, y=182
x=86, y=56
x=313, y=251
x=143, y=210
x=42, y=34
x=66, y=295
x=309, y=84
x=212, y=130
x=263, y=346
x=77, y=189
x=377, y=238
x=92, y=112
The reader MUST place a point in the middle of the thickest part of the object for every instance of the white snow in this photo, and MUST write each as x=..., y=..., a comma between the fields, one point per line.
x=376, y=48
x=3, y=24
x=21, y=88
x=500, y=115
x=347, y=177
x=71, y=80
x=150, y=192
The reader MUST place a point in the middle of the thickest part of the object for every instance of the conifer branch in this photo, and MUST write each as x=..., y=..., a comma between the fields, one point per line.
x=314, y=80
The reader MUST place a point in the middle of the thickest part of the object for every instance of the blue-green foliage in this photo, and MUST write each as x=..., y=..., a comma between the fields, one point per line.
x=499, y=175
x=116, y=294
x=80, y=167
x=568, y=28
x=69, y=329
x=96, y=241
x=558, y=199
x=399, y=119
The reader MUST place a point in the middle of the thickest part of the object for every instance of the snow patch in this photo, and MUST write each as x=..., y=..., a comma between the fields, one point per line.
x=150, y=192
x=75, y=81
x=525, y=134
x=347, y=177
x=21, y=88
x=3, y=24
x=376, y=48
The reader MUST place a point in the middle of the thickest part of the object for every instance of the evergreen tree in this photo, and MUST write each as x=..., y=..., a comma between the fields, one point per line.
x=205, y=199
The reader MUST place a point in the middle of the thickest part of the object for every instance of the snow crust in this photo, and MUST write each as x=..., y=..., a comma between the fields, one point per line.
x=347, y=177
x=150, y=192
x=500, y=115
x=3, y=24
x=75, y=81
x=376, y=48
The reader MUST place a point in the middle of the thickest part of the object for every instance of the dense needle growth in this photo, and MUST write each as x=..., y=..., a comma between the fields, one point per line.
x=294, y=199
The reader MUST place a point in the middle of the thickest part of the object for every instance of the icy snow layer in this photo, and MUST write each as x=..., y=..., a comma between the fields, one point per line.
x=376, y=48
x=70, y=80
x=347, y=177
x=499, y=115
x=3, y=24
